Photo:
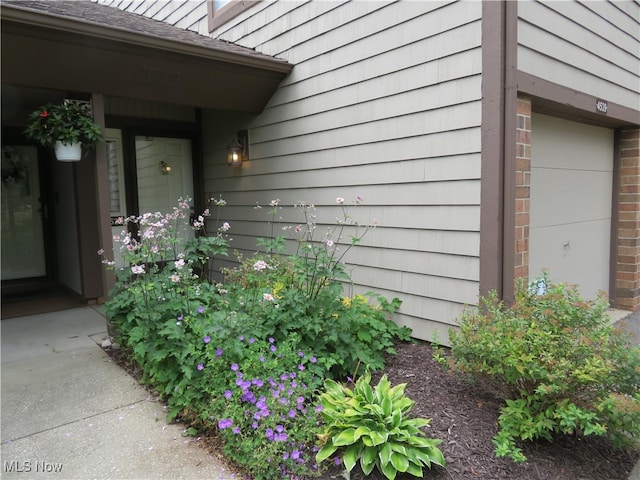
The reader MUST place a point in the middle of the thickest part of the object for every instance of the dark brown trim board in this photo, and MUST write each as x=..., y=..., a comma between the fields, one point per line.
x=492, y=151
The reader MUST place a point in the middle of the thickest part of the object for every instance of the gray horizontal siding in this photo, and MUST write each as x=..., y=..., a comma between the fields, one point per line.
x=593, y=47
x=384, y=102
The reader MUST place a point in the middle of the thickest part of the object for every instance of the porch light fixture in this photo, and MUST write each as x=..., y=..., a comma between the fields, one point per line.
x=238, y=149
x=164, y=168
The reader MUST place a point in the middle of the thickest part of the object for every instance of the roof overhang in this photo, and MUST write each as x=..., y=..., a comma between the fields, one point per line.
x=54, y=51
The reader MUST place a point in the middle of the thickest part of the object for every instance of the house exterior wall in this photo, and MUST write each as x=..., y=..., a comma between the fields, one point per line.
x=191, y=15
x=384, y=102
x=593, y=47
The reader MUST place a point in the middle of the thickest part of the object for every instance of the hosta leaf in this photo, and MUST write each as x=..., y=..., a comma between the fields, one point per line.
x=389, y=471
x=414, y=470
x=351, y=456
x=368, y=459
x=378, y=438
x=385, y=454
x=346, y=437
x=386, y=405
x=325, y=452
x=399, y=462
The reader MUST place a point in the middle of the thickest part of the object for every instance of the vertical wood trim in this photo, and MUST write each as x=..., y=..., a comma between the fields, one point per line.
x=492, y=155
x=510, y=135
x=615, y=217
x=102, y=193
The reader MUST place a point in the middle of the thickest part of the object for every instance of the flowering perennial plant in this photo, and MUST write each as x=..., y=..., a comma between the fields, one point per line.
x=247, y=356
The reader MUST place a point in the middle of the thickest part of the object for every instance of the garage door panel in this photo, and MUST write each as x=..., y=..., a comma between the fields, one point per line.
x=574, y=145
x=570, y=209
x=567, y=196
x=562, y=250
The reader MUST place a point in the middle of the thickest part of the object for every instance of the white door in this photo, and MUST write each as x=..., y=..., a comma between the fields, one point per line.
x=22, y=234
x=164, y=175
x=571, y=195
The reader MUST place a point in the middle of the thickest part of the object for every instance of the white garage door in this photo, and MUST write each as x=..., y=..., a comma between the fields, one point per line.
x=571, y=189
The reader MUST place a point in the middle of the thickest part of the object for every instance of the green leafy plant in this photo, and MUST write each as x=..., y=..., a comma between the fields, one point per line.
x=556, y=360
x=371, y=426
x=68, y=122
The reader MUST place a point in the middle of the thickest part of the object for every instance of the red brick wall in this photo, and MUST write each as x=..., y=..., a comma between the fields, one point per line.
x=523, y=183
x=627, y=294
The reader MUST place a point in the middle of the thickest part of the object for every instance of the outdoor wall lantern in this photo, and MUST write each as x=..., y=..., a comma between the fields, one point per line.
x=238, y=150
x=164, y=168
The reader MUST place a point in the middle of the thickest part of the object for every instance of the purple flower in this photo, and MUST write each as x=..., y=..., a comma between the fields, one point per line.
x=300, y=367
x=225, y=423
x=337, y=461
x=241, y=338
x=228, y=394
x=206, y=339
x=200, y=366
x=234, y=367
x=292, y=414
x=314, y=359
x=236, y=430
x=300, y=354
x=319, y=408
x=252, y=340
x=269, y=434
x=261, y=358
x=273, y=348
x=218, y=352
x=271, y=340
x=200, y=309
x=300, y=400
x=180, y=317
x=295, y=454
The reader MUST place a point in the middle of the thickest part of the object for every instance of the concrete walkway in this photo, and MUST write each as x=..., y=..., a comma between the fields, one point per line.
x=69, y=412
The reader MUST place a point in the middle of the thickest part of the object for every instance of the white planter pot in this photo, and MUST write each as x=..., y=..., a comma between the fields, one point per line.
x=68, y=152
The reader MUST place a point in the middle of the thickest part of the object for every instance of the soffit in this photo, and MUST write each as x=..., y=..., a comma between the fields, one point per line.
x=82, y=46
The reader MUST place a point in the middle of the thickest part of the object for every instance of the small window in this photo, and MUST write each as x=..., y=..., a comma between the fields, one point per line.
x=220, y=12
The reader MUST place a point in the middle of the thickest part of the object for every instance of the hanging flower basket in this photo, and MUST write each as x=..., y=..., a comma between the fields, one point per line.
x=68, y=152
x=68, y=123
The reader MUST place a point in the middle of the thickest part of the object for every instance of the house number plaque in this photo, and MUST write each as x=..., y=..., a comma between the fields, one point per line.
x=602, y=106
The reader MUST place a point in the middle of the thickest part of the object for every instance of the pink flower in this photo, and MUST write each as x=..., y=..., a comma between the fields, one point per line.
x=260, y=265
x=275, y=202
x=175, y=278
x=267, y=297
x=225, y=226
x=137, y=269
x=329, y=243
x=339, y=200
x=179, y=263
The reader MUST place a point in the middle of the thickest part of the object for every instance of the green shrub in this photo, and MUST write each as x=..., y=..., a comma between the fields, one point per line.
x=557, y=361
x=371, y=426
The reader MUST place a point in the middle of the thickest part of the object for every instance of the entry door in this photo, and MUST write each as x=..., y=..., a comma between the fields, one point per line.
x=164, y=172
x=22, y=233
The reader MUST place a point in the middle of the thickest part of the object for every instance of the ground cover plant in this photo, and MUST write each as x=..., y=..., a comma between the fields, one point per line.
x=554, y=358
x=247, y=354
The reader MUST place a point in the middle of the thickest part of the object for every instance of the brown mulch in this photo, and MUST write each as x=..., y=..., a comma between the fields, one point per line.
x=464, y=416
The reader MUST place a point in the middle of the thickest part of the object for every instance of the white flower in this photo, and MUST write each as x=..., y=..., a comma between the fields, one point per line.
x=137, y=269
x=260, y=265
x=101, y=251
x=179, y=263
x=175, y=278
x=267, y=297
x=225, y=226
x=328, y=243
x=339, y=200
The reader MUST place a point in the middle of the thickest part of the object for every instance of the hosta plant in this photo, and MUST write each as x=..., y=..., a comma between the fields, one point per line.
x=371, y=425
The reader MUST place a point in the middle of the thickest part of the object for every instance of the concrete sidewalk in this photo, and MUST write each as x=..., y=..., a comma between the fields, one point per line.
x=69, y=412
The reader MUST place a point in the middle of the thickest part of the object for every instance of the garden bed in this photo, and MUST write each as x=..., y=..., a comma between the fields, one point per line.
x=464, y=416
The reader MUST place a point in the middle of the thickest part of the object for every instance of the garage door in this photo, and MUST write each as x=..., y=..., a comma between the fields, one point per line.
x=571, y=190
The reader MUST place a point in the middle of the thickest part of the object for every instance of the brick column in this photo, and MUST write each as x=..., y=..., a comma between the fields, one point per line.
x=522, y=190
x=627, y=293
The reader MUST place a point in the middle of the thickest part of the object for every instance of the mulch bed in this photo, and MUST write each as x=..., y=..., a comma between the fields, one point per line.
x=464, y=416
